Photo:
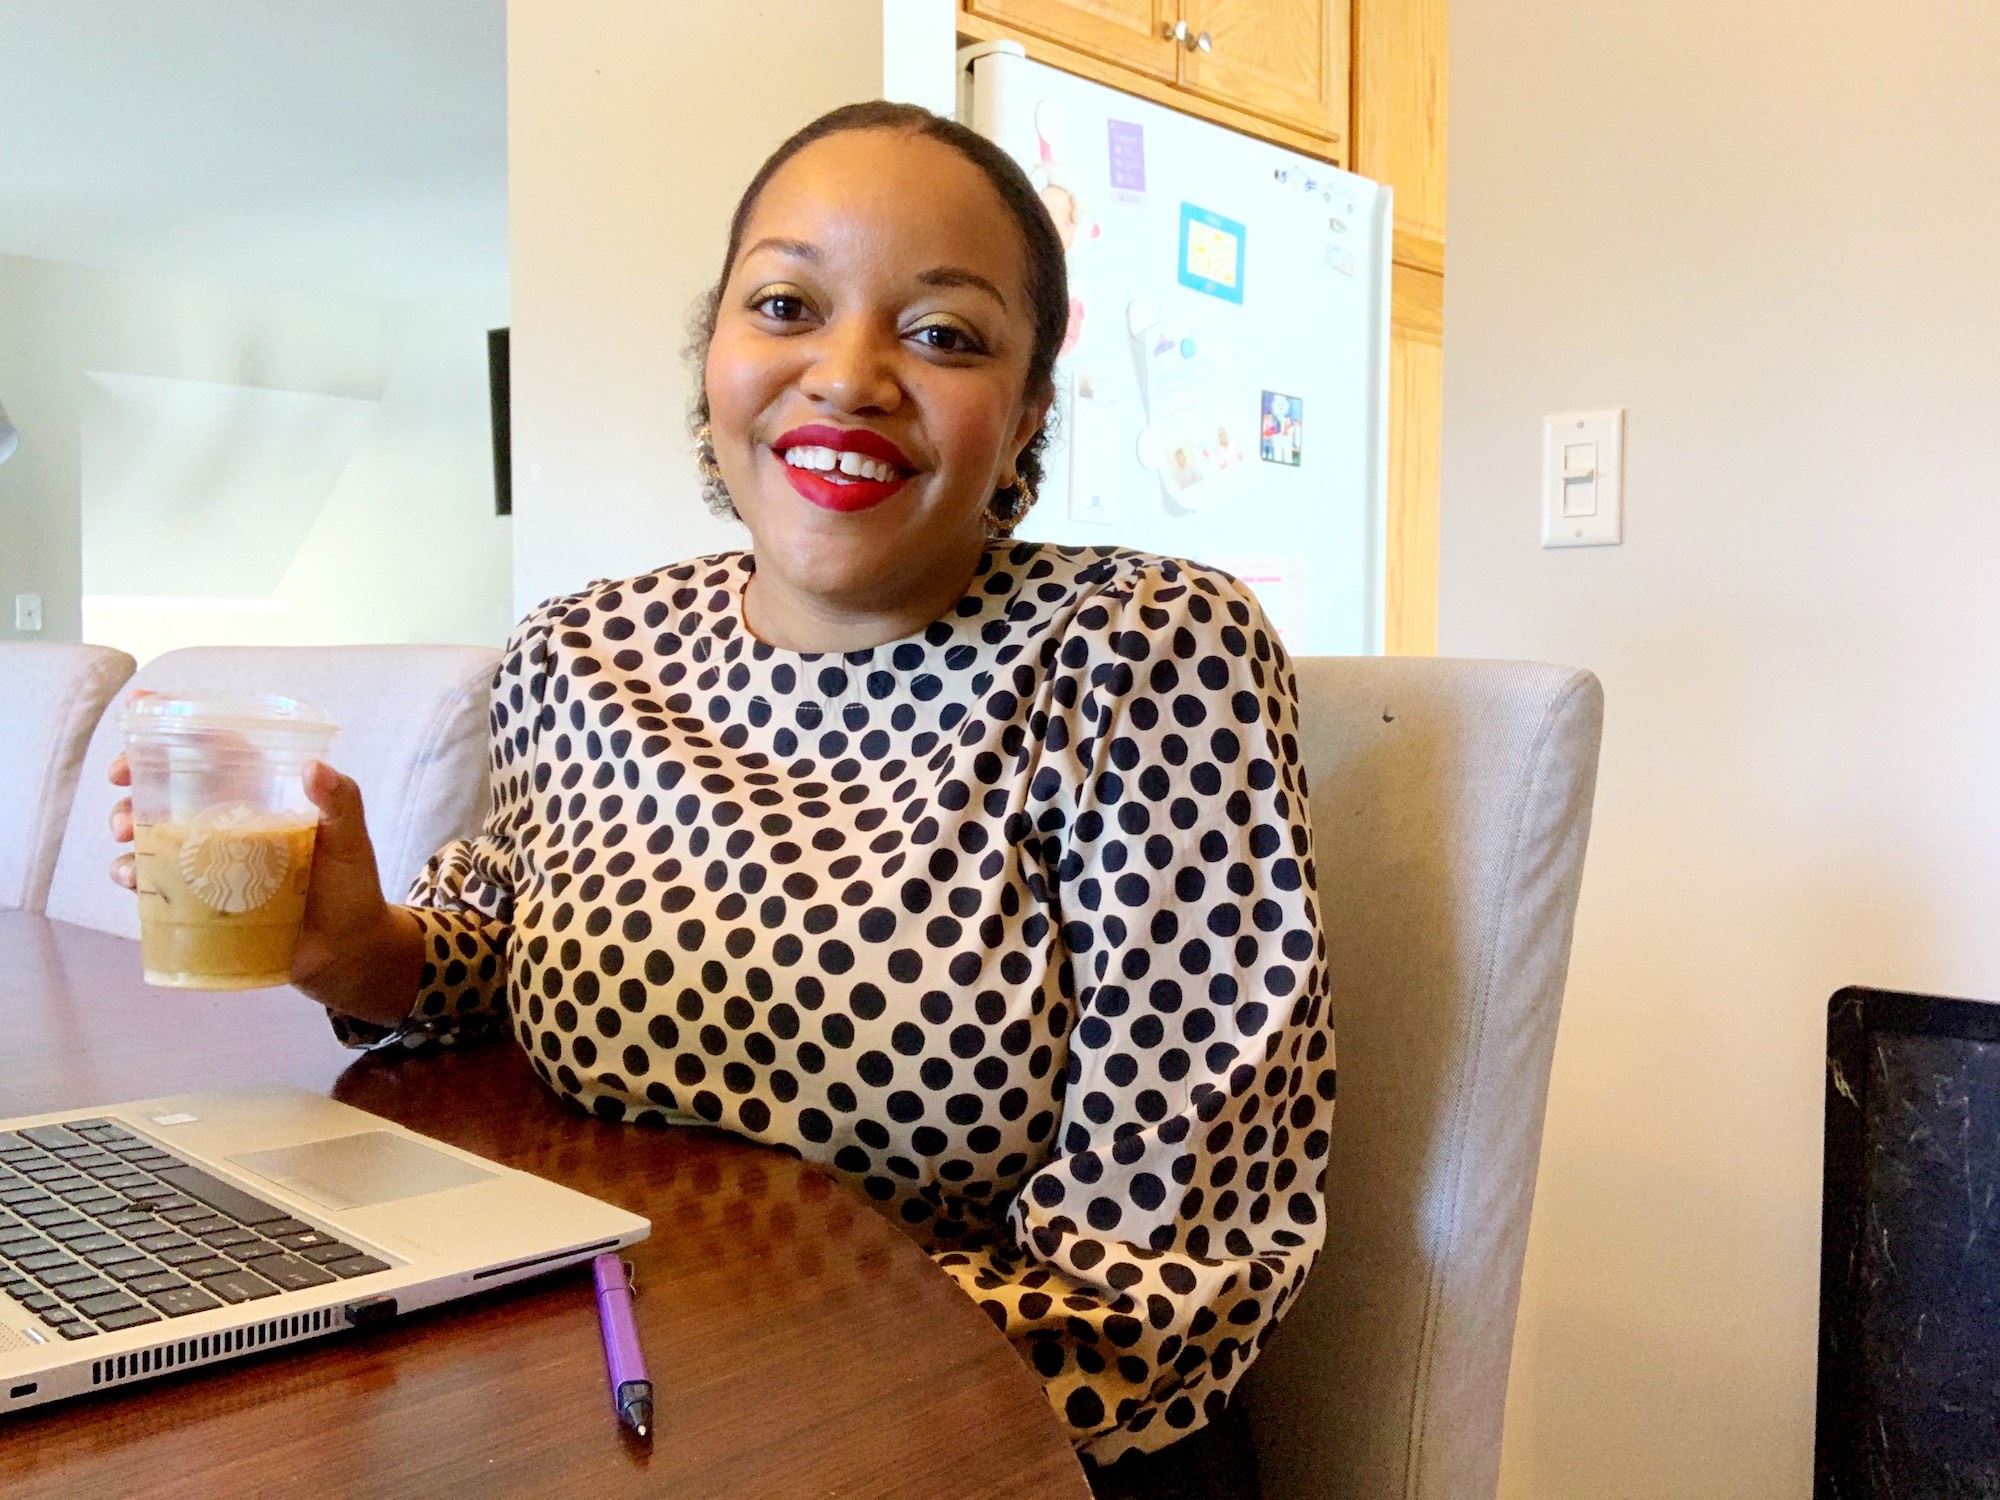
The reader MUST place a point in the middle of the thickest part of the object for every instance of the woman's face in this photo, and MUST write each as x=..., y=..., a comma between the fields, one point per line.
x=866, y=378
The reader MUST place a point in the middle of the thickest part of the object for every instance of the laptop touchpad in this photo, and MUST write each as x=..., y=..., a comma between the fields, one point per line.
x=353, y=1171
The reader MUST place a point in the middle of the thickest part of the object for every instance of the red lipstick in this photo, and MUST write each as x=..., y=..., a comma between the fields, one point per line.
x=848, y=492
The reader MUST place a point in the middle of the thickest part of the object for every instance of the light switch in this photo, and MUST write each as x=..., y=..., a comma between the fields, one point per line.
x=1583, y=479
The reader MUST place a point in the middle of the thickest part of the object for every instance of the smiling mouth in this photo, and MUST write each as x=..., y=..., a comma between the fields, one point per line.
x=842, y=469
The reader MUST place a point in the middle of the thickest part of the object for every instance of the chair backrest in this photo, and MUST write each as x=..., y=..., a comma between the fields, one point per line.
x=50, y=698
x=1450, y=807
x=413, y=734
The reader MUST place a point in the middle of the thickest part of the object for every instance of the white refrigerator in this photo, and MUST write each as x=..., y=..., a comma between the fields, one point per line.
x=1223, y=390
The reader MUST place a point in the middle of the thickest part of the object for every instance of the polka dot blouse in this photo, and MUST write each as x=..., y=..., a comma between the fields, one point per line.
x=1009, y=924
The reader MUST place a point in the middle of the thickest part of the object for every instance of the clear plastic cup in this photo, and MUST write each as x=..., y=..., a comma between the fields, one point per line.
x=222, y=834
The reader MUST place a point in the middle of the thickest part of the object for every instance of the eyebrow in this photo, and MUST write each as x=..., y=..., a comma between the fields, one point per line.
x=940, y=276
x=957, y=276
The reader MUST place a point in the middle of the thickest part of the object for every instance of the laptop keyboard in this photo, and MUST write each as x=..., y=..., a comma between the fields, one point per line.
x=102, y=1230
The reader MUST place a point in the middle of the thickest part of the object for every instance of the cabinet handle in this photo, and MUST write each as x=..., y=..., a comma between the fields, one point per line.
x=1177, y=32
x=1202, y=43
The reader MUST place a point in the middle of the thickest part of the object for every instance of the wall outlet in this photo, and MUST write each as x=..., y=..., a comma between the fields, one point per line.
x=27, y=611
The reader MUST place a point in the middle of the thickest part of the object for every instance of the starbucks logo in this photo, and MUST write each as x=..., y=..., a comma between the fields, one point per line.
x=231, y=868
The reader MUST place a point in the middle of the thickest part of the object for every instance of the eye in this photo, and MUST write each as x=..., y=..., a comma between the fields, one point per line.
x=781, y=307
x=947, y=338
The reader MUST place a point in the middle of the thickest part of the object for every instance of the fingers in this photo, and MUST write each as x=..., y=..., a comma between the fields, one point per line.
x=125, y=872
x=121, y=820
x=337, y=798
x=119, y=772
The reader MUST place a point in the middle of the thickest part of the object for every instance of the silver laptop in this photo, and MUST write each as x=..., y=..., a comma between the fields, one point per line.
x=145, y=1238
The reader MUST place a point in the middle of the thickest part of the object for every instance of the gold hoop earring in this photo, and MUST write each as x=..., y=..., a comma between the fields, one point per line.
x=1009, y=505
x=704, y=455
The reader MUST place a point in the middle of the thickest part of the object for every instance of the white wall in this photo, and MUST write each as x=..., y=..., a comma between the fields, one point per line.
x=405, y=545
x=1769, y=231
x=632, y=127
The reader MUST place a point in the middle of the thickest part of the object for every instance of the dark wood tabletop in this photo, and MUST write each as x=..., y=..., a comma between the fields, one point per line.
x=799, y=1344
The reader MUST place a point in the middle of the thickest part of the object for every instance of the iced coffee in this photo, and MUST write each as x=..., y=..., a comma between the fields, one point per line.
x=221, y=899
x=222, y=835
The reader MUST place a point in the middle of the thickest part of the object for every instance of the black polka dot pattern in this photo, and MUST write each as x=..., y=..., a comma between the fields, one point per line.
x=1009, y=924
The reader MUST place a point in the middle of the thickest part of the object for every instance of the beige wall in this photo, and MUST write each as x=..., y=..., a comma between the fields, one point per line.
x=58, y=321
x=632, y=127
x=403, y=544
x=1772, y=232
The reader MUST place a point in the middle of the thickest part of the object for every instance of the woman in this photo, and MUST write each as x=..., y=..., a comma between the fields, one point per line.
x=973, y=871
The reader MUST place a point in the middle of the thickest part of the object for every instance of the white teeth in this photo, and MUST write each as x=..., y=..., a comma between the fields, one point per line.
x=838, y=461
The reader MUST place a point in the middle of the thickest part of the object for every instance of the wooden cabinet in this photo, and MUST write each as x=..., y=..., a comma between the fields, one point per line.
x=1357, y=82
x=1134, y=34
x=1275, y=68
x=1283, y=59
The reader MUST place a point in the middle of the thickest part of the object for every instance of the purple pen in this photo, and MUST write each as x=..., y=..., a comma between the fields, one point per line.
x=631, y=1390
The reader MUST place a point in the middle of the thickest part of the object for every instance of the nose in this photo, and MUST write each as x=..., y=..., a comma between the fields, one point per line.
x=852, y=368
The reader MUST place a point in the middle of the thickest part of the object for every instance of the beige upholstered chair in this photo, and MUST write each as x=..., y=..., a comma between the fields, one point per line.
x=413, y=734
x=1450, y=805
x=50, y=698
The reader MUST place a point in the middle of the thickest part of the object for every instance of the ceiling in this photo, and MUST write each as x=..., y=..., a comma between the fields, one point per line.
x=328, y=148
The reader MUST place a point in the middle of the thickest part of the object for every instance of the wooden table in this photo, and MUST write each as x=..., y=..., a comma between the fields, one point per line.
x=800, y=1345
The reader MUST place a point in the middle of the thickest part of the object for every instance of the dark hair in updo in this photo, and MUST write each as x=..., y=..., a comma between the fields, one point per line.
x=1047, y=280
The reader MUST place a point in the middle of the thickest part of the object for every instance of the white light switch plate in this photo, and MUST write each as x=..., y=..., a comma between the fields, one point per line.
x=1583, y=502
x=27, y=611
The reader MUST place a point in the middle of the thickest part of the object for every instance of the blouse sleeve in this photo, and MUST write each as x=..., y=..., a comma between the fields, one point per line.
x=463, y=899
x=1152, y=1256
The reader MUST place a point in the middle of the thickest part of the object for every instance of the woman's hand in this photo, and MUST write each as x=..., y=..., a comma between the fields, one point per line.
x=357, y=954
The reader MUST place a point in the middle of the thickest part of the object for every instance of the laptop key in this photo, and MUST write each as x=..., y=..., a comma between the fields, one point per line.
x=211, y=1224
x=239, y=1286
x=48, y=1260
x=111, y=1300
x=125, y=1218
x=201, y=1270
x=333, y=1250
x=81, y=1229
x=224, y=1239
x=114, y=1255
x=159, y=1281
x=304, y=1240
x=180, y=1301
x=290, y=1273
x=177, y=1255
x=358, y=1265
x=220, y=1196
x=132, y=1317
x=190, y=1214
x=64, y=1277
x=39, y=1302
x=79, y=1292
x=55, y=1317
x=98, y=1241
x=283, y=1226
x=77, y=1330
x=135, y=1270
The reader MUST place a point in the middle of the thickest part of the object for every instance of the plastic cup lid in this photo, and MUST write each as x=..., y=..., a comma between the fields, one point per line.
x=187, y=713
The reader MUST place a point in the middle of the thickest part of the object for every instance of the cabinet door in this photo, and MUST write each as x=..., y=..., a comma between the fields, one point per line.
x=1131, y=33
x=1283, y=59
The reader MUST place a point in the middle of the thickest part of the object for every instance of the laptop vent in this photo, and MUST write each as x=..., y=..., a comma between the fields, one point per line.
x=196, y=1351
